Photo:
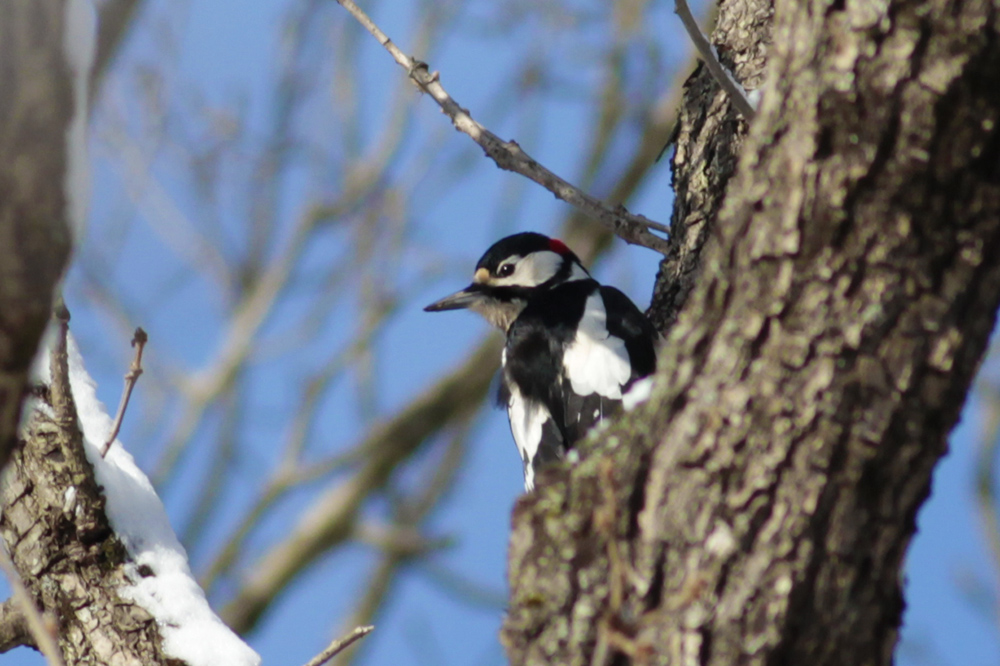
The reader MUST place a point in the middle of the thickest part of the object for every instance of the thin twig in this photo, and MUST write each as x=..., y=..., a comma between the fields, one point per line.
x=719, y=72
x=43, y=634
x=139, y=342
x=509, y=156
x=409, y=513
x=339, y=645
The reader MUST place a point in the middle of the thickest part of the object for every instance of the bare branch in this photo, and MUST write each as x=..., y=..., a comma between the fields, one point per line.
x=409, y=513
x=139, y=342
x=62, y=396
x=42, y=629
x=461, y=588
x=509, y=156
x=255, y=305
x=719, y=72
x=330, y=518
x=578, y=230
x=291, y=472
x=405, y=540
x=14, y=631
x=339, y=645
x=376, y=592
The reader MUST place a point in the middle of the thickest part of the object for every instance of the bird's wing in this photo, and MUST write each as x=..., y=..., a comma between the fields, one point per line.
x=560, y=382
x=628, y=324
x=612, y=348
x=596, y=367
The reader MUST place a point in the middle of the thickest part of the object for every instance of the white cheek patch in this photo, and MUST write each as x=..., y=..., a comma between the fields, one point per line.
x=532, y=270
x=596, y=361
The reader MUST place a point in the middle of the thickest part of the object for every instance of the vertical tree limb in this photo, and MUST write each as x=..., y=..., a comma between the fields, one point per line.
x=35, y=112
x=710, y=135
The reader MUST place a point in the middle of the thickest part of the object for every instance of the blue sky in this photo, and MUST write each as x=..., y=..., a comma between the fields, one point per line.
x=225, y=54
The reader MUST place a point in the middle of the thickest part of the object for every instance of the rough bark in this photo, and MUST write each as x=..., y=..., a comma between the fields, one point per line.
x=61, y=543
x=710, y=135
x=757, y=509
x=14, y=631
x=35, y=110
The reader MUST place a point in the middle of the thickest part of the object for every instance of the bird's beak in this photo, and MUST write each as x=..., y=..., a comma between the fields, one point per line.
x=460, y=300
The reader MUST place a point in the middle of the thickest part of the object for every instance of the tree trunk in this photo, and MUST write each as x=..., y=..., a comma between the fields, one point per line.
x=35, y=110
x=757, y=509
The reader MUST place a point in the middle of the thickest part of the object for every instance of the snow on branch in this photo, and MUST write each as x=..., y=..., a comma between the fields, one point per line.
x=508, y=155
x=160, y=579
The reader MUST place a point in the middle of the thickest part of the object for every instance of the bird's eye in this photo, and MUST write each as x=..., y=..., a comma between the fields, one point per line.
x=506, y=270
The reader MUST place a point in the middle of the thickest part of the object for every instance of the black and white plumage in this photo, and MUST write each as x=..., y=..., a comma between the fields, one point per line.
x=573, y=346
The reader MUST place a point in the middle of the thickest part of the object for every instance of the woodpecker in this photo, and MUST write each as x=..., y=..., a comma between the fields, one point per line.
x=573, y=346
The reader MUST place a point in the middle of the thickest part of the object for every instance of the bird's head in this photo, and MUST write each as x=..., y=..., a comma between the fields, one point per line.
x=511, y=271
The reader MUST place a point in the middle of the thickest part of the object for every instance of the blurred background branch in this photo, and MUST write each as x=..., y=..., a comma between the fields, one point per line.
x=274, y=202
x=288, y=228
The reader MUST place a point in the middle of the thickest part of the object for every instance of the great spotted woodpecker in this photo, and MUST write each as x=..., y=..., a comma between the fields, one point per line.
x=573, y=346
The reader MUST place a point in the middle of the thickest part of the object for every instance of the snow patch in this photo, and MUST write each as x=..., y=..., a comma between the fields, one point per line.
x=638, y=394
x=161, y=581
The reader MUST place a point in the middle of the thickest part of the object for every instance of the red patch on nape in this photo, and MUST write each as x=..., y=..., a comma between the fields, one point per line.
x=558, y=246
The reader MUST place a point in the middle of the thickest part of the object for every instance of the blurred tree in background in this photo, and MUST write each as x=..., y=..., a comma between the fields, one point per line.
x=274, y=201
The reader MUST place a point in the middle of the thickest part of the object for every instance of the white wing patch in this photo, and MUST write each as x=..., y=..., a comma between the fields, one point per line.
x=596, y=361
x=526, y=420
